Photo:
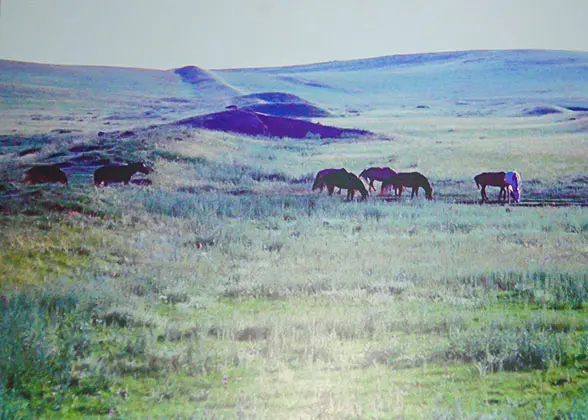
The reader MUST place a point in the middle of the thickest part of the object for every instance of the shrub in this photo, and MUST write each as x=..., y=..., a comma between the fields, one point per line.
x=42, y=337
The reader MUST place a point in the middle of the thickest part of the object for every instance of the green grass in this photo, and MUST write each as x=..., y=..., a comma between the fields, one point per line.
x=229, y=290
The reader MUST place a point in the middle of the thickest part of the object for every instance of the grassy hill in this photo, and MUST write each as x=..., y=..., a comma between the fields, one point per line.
x=227, y=288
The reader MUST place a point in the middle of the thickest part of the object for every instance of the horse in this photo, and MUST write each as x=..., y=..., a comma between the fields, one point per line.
x=377, y=174
x=493, y=179
x=414, y=180
x=344, y=180
x=319, y=182
x=499, y=179
x=513, y=182
x=118, y=173
x=41, y=174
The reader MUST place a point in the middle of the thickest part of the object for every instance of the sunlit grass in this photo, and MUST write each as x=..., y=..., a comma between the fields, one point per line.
x=229, y=289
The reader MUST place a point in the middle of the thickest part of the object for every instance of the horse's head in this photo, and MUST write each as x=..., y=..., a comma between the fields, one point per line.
x=513, y=182
x=364, y=193
x=141, y=167
x=429, y=194
x=319, y=184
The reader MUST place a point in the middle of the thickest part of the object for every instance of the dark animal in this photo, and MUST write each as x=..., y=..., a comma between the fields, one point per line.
x=344, y=180
x=492, y=179
x=414, y=180
x=319, y=183
x=377, y=174
x=41, y=174
x=118, y=173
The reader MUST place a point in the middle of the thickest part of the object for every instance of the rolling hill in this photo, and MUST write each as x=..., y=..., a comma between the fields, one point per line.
x=462, y=84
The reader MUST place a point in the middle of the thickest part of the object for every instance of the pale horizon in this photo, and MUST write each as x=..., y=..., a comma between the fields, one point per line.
x=231, y=34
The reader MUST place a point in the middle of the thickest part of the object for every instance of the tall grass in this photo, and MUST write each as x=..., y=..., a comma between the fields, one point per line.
x=229, y=288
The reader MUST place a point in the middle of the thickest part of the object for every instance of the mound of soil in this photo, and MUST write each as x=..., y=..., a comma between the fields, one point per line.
x=194, y=75
x=206, y=83
x=255, y=124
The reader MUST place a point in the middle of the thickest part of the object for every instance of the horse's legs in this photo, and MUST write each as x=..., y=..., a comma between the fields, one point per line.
x=483, y=192
x=331, y=188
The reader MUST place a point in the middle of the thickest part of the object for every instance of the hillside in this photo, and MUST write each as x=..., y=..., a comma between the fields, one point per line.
x=469, y=83
x=462, y=84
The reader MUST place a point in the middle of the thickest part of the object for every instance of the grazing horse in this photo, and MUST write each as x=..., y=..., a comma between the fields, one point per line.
x=377, y=174
x=345, y=180
x=319, y=182
x=414, y=180
x=499, y=179
x=40, y=174
x=118, y=173
x=513, y=184
x=493, y=179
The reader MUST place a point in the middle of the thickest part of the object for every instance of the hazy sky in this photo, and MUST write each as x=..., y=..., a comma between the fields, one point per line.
x=250, y=33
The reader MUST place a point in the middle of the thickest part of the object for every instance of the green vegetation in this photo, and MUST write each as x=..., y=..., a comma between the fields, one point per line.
x=229, y=290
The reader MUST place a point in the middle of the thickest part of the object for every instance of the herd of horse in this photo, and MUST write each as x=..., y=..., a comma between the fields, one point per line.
x=107, y=174
x=509, y=182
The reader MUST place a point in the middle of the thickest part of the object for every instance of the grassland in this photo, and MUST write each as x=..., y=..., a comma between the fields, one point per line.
x=228, y=289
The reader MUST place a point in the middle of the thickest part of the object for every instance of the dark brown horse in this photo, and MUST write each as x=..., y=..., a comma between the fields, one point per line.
x=492, y=179
x=377, y=174
x=414, y=180
x=118, y=173
x=345, y=180
x=319, y=182
x=41, y=174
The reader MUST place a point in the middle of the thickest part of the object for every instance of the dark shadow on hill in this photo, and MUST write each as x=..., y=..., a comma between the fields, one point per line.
x=205, y=81
x=307, y=82
x=279, y=104
x=257, y=124
x=290, y=110
x=539, y=111
x=271, y=97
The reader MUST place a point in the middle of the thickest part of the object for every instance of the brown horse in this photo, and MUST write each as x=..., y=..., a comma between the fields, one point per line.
x=345, y=180
x=41, y=174
x=118, y=173
x=377, y=174
x=319, y=182
x=498, y=179
x=414, y=180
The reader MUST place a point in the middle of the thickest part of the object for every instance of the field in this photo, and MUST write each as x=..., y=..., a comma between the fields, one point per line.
x=228, y=289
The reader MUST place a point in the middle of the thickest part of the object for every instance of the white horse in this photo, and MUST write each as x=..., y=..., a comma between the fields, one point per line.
x=513, y=185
